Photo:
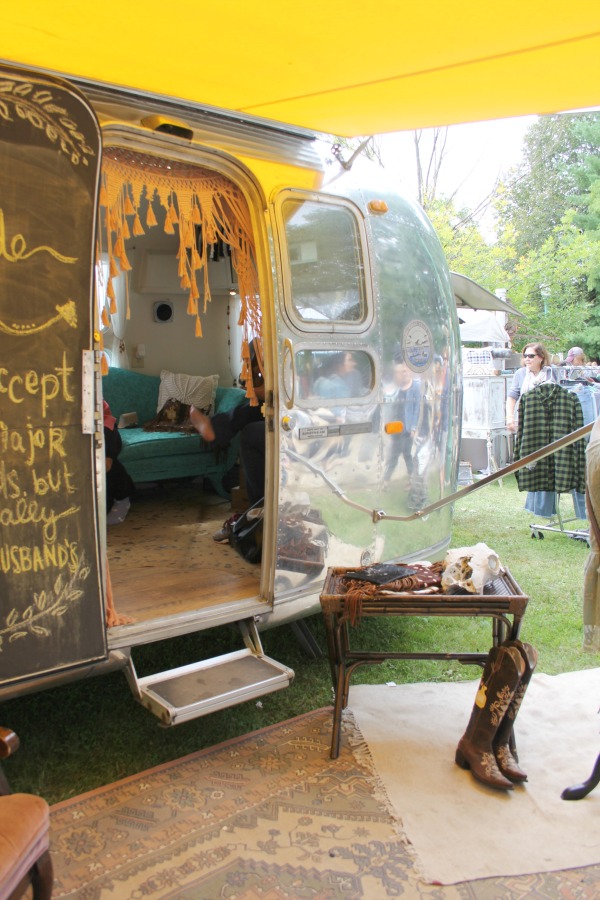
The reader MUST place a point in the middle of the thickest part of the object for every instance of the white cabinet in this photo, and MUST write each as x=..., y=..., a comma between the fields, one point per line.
x=484, y=417
x=484, y=404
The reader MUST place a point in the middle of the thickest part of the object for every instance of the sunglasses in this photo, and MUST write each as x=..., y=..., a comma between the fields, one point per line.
x=529, y=355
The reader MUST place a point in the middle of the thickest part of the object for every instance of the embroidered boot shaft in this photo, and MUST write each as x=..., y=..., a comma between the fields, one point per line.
x=501, y=676
x=506, y=759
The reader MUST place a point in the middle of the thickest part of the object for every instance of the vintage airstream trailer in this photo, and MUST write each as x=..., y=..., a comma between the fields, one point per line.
x=321, y=261
x=259, y=231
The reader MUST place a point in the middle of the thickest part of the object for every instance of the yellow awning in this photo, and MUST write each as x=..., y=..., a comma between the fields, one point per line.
x=342, y=67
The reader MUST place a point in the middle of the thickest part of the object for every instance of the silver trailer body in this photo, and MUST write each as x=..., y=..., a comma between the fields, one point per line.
x=349, y=275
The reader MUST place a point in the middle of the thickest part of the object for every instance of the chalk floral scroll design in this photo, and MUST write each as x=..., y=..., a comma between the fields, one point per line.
x=36, y=105
x=46, y=605
x=66, y=312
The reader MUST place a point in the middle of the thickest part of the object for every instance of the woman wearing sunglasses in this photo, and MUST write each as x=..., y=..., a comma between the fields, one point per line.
x=535, y=370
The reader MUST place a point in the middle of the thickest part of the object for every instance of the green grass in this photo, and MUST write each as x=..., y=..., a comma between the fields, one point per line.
x=549, y=571
x=77, y=737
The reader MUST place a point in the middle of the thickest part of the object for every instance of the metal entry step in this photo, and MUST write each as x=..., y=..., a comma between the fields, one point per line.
x=191, y=691
x=200, y=688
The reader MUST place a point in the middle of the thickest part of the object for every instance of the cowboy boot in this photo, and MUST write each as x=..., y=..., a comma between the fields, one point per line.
x=505, y=757
x=501, y=676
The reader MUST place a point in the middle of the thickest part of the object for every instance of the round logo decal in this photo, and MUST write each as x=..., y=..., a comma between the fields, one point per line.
x=417, y=346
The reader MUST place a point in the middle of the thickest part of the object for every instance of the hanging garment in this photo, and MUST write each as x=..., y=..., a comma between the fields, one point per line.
x=547, y=413
x=585, y=395
x=544, y=503
x=591, y=578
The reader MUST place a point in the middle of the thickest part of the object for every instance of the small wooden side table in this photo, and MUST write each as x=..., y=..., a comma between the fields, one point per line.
x=505, y=605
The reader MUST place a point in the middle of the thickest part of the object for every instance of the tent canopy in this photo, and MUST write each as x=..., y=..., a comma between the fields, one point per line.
x=482, y=326
x=338, y=67
x=467, y=293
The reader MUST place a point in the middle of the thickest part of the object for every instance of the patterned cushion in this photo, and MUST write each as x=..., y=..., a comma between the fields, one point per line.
x=191, y=389
x=174, y=416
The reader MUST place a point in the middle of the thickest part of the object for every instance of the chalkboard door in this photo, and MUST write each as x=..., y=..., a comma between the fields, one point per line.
x=51, y=603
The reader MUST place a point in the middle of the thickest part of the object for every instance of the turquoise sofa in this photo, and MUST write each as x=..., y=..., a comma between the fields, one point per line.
x=158, y=456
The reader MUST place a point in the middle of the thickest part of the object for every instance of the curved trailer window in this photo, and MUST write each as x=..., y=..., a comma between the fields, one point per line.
x=326, y=265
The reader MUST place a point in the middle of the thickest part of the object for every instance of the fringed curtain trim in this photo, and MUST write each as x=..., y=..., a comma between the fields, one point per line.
x=132, y=183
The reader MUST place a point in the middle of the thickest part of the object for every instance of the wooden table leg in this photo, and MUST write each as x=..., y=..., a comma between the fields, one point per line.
x=329, y=620
x=338, y=707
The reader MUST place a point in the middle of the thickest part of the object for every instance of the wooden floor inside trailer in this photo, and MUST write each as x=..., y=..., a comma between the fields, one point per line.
x=163, y=560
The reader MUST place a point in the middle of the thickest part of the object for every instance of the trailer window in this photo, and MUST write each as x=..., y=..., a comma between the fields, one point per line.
x=327, y=273
x=333, y=374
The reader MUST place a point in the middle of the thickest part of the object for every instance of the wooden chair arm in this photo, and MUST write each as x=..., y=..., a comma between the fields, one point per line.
x=9, y=742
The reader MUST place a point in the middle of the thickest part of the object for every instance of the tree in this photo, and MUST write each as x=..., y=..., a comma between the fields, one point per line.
x=551, y=206
x=546, y=253
x=550, y=286
x=466, y=249
x=428, y=170
x=560, y=164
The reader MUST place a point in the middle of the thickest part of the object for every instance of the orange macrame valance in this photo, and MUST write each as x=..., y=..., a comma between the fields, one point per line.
x=135, y=186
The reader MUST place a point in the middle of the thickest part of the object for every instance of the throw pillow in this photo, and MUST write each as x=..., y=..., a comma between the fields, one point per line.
x=198, y=390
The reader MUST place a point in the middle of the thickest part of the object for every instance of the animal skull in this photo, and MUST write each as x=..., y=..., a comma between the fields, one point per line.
x=468, y=569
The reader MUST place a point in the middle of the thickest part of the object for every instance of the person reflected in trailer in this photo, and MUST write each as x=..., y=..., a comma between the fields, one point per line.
x=441, y=395
x=444, y=450
x=405, y=407
x=338, y=377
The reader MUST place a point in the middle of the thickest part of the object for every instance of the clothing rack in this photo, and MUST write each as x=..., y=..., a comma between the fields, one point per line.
x=558, y=525
x=579, y=374
x=545, y=501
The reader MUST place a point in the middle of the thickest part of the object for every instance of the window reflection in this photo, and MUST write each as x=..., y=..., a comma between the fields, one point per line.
x=404, y=404
x=416, y=427
x=334, y=374
x=326, y=265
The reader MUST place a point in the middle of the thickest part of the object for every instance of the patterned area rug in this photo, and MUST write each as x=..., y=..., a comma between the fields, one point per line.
x=264, y=817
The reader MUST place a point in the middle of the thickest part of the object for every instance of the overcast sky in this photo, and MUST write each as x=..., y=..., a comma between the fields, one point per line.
x=476, y=154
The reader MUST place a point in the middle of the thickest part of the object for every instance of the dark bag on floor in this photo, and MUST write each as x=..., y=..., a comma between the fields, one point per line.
x=247, y=533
